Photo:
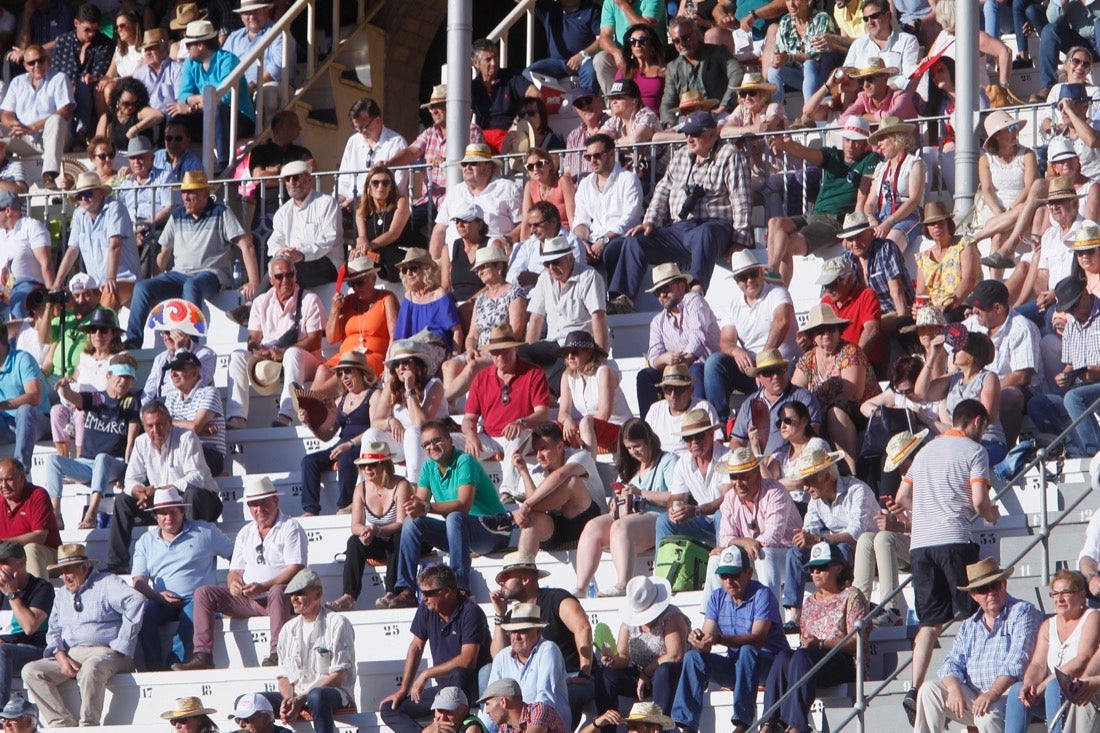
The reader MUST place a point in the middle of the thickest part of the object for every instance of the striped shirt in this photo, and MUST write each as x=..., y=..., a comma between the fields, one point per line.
x=941, y=477
x=186, y=408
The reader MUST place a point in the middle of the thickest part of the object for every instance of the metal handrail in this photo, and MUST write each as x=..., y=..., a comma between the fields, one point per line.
x=500, y=33
x=1043, y=536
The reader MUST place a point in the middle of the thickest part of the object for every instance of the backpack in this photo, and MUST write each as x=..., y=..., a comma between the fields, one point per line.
x=682, y=561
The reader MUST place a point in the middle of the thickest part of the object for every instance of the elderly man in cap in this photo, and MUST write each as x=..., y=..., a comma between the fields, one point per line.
x=111, y=424
x=699, y=210
x=454, y=629
x=26, y=250
x=758, y=419
x=36, y=111
x=163, y=456
x=28, y=517
x=102, y=236
x=707, y=67
x=500, y=199
x=1080, y=374
x=697, y=487
x=536, y=663
x=990, y=653
x=760, y=318
x=609, y=201
x=30, y=601
x=845, y=173
x=197, y=243
x=503, y=705
x=666, y=415
x=307, y=228
x=492, y=424
x=684, y=333
x=841, y=509
x=316, y=657
x=743, y=616
x=264, y=81
x=93, y=629
x=267, y=553
x=1017, y=359
x=451, y=713
x=197, y=407
x=253, y=712
x=159, y=72
x=945, y=488
x=544, y=221
x=170, y=564
x=285, y=326
x=20, y=715
x=567, y=625
x=853, y=301
x=372, y=143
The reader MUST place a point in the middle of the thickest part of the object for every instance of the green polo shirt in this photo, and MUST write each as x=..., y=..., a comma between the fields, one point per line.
x=75, y=341
x=443, y=482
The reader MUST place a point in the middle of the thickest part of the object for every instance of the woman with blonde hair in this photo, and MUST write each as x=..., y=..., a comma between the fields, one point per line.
x=592, y=405
x=757, y=112
x=893, y=205
x=426, y=305
x=383, y=222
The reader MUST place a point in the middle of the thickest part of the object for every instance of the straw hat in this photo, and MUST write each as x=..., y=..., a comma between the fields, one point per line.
x=501, y=338
x=649, y=712
x=646, y=598
x=374, y=451
x=823, y=314
x=519, y=561
x=696, y=421
x=194, y=181
x=937, y=211
x=177, y=314
x=874, y=67
x=665, y=273
x=765, y=360
x=755, y=80
x=675, y=375
x=69, y=554
x=693, y=98
x=355, y=360
x=1000, y=120
x=438, y=96
x=743, y=260
x=739, y=460
x=891, y=126
x=89, y=181
x=247, y=7
x=900, y=447
x=257, y=488
x=153, y=37
x=525, y=616
x=555, y=249
x=187, y=707
x=489, y=255
x=477, y=153
x=359, y=268
x=1083, y=238
x=265, y=375
x=199, y=30
x=815, y=461
x=406, y=350
x=984, y=572
x=416, y=256
x=854, y=223
x=185, y=14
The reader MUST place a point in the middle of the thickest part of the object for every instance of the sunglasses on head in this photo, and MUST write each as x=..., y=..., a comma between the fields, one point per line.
x=280, y=276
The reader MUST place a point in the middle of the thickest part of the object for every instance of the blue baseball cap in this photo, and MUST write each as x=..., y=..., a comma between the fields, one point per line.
x=697, y=122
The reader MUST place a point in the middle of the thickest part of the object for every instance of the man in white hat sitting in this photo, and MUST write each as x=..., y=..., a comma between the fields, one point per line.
x=697, y=487
x=197, y=241
x=264, y=81
x=760, y=317
x=170, y=564
x=881, y=264
x=844, y=174
x=991, y=651
x=308, y=228
x=267, y=553
x=92, y=632
x=535, y=662
x=253, y=712
x=500, y=199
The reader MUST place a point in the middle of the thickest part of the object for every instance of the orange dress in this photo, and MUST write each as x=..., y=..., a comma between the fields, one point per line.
x=365, y=330
x=556, y=197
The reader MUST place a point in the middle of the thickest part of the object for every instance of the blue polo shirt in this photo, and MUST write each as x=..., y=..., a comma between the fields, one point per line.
x=463, y=469
x=185, y=563
x=20, y=368
x=467, y=625
x=93, y=238
x=760, y=604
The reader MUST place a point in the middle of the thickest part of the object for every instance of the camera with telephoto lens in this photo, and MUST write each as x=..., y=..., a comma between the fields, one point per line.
x=39, y=296
x=695, y=194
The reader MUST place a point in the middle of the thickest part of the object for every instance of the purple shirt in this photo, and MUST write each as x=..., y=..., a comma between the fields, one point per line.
x=697, y=332
x=773, y=522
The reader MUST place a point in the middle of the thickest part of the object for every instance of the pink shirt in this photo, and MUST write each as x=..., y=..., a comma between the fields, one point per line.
x=273, y=320
x=774, y=517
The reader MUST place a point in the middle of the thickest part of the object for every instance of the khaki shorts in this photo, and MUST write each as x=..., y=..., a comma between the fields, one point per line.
x=819, y=230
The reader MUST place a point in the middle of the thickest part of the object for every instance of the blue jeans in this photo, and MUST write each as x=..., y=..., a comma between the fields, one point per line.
x=101, y=471
x=314, y=464
x=791, y=666
x=810, y=75
x=1018, y=718
x=154, y=617
x=721, y=376
x=24, y=430
x=12, y=659
x=18, y=299
x=646, y=384
x=998, y=18
x=741, y=670
x=1056, y=37
x=1043, y=319
x=321, y=702
x=557, y=69
x=147, y=293
x=693, y=243
x=1053, y=414
x=795, y=586
x=459, y=534
x=704, y=529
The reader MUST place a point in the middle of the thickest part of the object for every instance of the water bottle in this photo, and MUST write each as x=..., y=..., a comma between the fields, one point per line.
x=238, y=274
x=593, y=589
x=690, y=9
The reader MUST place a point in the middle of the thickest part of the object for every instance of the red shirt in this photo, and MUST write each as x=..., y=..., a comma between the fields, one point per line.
x=527, y=390
x=33, y=514
x=859, y=310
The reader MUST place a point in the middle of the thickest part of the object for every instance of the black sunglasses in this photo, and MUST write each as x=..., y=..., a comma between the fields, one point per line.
x=280, y=276
x=744, y=277
x=638, y=41
x=875, y=16
x=34, y=62
x=260, y=554
x=582, y=103
x=783, y=421
x=431, y=592
x=78, y=603
x=505, y=394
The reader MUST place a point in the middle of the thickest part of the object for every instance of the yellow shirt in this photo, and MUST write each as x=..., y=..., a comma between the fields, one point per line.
x=849, y=19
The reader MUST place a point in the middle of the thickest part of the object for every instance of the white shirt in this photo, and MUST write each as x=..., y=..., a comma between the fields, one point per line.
x=284, y=545
x=525, y=256
x=313, y=228
x=17, y=247
x=754, y=322
x=308, y=652
x=360, y=156
x=667, y=426
x=178, y=463
x=901, y=52
x=703, y=487
x=592, y=480
x=616, y=208
x=1015, y=346
x=568, y=306
x=30, y=104
x=1056, y=258
x=1091, y=548
x=501, y=202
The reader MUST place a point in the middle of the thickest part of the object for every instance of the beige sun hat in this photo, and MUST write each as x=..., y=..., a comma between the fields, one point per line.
x=69, y=554
x=89, y=181
x=755, y=80
x=1083, y=238
x=416, y=255
x=359, y=268
x=438, y=95
x=984, y=572
x=891, y=126
x=186, y=14
x=257, y=488
x=265, y=375
x=646, y=598
x=767, y=359
x=500, y=338
x=694, y=98
x=743, y=260
x=873, y=67
x=374, y=451
x=519, y=560
x=900, y=447
x=999, y=120
x=823, y=314
x=815, y=461
x=739, y=460
x=194, y=181
x=199, y=30
x=487, y=256
x=149, y=39
x=696, y=421
x=665, y=273
x=675, y=375
x=649, y=712
x=1060, y=188
x=525, y=616
x=937, y=211
x=187, y=707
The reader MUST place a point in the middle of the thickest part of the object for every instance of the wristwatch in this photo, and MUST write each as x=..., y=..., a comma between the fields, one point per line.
x=11, y=596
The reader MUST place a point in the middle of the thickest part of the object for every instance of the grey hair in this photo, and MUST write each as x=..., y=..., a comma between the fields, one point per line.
x=155, y=407
x=278, y=258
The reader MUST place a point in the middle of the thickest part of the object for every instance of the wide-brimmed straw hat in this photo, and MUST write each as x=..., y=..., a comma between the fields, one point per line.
x=815, y=461
x=194, y=181
x=416, y=256
x=767, y=359
x=251, y=7
x=695, y=98
x=406, y=350
x=354, y=360
x=675, y=375
x=153, y=37
x=739, y=460
x=743, y=260
x=69, y=554
x=438, y=95
x=754, y=80
x=891, y=126
x=89, y=181
x=984, y=572
x=937, y=211
x=900, y=447
x=696, y=421
x=854, y=223
x=199, y=30
x=186, y=14
x=374, y=451
x=649, y=712
x=477, y=153
x=519, y=560
x=1083, y=238
x=1059, y=189
x=187, y=707
x=823, y=314
x=359, y=268
x=646, y=598
x=665, y=273
x=265, y=375
x=487, y=256
x=874, y=66
x=525, y=616
x=500, y=338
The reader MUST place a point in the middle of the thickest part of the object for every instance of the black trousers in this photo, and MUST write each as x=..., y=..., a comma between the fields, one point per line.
x=201, y=504
x=358, y=554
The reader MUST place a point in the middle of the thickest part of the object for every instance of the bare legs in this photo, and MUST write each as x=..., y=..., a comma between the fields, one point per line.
x=784, y=242
x=626, y=536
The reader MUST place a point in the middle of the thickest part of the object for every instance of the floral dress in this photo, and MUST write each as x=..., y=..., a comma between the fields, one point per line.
x=942, y=279
x=829, y=388
x=788, y=40
x=491, y=312
x=829, y=619
x=646, y=647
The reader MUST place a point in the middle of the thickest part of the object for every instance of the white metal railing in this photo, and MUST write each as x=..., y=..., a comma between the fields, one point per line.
x=525, y=8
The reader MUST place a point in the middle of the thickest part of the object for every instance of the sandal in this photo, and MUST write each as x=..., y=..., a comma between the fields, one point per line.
x=614, y=591
x=343, y=603
x=996, y=261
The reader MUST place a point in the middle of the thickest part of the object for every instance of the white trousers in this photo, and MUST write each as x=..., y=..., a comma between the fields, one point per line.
x=50, y=143
x=298, y=366
x=932, y=710
x=98, y=664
